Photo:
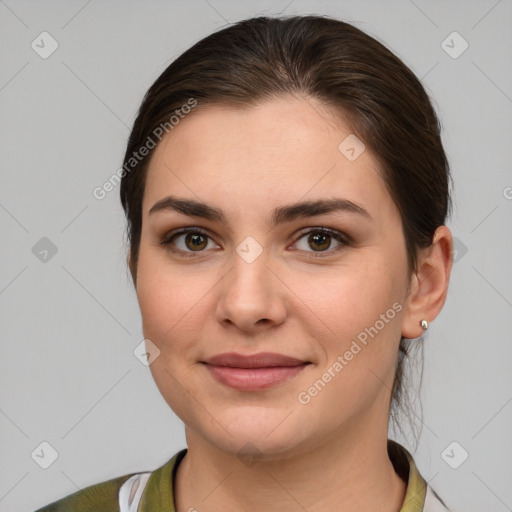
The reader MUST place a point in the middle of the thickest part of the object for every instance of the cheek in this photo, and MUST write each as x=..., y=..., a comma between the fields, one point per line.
x=171, y=300
x=172, y=317
x=351, y=298
x=358, y=317
x=362, y=309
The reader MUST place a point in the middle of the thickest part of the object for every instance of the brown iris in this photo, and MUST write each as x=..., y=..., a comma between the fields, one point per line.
x=197, y=241
x=320, y=238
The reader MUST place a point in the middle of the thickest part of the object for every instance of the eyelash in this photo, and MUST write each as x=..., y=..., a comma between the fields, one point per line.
x=344, y=240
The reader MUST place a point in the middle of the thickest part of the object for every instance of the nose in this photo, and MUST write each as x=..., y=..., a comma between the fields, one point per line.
x=252, y=297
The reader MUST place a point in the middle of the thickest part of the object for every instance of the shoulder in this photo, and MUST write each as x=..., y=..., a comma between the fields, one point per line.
x=101, y=497
x=120, y=492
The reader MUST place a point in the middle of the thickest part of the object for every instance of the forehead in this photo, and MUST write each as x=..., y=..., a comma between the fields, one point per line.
x=247, y=159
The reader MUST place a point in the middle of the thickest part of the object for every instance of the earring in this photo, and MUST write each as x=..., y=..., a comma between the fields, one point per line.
x=424, y=325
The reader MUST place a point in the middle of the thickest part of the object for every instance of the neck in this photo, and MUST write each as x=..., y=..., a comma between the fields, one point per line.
x=344, y=473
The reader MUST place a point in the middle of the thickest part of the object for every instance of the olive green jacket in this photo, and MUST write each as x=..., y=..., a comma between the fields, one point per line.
x=152, y=491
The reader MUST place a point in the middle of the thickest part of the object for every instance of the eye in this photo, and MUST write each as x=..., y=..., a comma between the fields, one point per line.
x=187, y=242
x=320, y=239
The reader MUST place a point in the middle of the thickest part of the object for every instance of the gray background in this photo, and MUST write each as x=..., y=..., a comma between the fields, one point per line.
x=70, y=323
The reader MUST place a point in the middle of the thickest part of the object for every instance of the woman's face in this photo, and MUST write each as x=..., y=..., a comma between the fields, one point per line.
x=248, y=284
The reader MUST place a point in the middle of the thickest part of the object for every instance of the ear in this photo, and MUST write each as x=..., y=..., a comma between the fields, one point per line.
x=429, y=284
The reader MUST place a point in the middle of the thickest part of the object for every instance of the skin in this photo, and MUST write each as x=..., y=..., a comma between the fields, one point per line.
x=328, y=454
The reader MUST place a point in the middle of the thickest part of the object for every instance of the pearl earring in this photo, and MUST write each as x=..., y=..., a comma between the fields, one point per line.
x=424, y=325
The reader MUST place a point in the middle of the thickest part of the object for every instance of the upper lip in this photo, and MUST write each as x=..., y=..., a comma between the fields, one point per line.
x=261, y=360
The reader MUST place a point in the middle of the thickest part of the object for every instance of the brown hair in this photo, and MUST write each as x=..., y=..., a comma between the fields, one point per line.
x=334, y=62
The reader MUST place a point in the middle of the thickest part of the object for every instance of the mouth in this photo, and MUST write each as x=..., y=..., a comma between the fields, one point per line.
x=260, y=360
x=255, y=372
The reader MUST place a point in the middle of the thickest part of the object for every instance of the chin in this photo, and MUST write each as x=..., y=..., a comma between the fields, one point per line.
x=248, y=437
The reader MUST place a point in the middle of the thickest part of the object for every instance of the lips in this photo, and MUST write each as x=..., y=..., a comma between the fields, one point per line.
x=261, y=360
x=256, y=372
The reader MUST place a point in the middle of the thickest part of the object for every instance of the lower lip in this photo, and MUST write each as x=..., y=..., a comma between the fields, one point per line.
x=254, y=379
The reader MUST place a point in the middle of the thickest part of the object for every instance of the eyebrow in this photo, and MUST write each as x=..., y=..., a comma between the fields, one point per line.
x=280, y=215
